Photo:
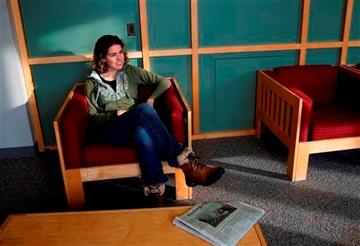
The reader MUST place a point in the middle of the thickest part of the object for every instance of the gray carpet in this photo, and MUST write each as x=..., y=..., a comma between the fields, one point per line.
x=323, y=210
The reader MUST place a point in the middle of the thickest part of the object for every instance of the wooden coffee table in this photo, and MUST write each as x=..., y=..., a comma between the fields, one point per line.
x=113, y=227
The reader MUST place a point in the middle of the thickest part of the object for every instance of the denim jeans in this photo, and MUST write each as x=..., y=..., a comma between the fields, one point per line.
x=143, y=127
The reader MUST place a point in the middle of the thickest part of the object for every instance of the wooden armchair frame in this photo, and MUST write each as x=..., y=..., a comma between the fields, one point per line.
x=75, y=177
x=279, y=109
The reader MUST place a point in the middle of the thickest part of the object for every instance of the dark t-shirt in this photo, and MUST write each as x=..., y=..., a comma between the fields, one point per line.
x=112, y=83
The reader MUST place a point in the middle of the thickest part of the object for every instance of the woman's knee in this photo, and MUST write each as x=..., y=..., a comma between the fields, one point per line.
x=145, y=109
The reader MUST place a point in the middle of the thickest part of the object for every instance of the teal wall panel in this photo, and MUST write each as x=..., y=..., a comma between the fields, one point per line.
x=248, y=22
x=228, y=85
x=178, y=67
x=169, y=28
x=52, y=84
x=67, y=27
x=353, y=55
x=323, y=56
x=355, y=22
x=326, y=20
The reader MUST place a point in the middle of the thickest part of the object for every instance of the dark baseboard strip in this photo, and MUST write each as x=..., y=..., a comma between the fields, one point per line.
x=18, y=152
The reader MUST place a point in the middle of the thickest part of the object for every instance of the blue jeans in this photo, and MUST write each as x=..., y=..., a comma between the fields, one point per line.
x=143, y=127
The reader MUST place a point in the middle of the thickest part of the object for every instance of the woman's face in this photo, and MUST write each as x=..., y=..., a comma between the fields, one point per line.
x=115, y=57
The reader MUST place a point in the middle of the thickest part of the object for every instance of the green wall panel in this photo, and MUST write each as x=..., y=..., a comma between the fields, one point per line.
x=178, y=67
x=355, y=22
x=353, y=55
x=326, y=20
x=68, y=27
x=228, y=87
x=235, y=22
x=323, y=56
x=52, y=84
x=169, y=23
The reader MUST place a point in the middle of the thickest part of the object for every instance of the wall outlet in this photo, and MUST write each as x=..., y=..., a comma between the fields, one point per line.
x=130, y=27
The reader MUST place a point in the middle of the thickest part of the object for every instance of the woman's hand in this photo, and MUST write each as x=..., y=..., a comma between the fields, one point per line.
x=120, y=112
x=150, y=101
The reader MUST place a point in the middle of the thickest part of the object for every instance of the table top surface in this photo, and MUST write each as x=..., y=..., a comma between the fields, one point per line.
x=107, y=227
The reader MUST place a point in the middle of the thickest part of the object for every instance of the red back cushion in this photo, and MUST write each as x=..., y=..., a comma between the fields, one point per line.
x=170, y=100
x=144, y=92
x=348, y=89
x=74, y=127
x=316, y=81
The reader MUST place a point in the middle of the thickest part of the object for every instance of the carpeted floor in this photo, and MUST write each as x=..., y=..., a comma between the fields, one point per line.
x=323, y=210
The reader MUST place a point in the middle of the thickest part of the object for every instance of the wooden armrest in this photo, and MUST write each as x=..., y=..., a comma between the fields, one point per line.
x=279, y=108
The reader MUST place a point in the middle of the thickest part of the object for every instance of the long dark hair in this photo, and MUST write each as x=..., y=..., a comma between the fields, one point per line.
x=102, y=46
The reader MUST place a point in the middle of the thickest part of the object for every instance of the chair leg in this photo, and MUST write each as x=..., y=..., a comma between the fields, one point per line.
x=298, y=163
x=74, y=189
x=258, y=128
x=181, y=189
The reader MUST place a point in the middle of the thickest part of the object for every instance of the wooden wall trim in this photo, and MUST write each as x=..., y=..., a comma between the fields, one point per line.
x=195, y=66
x=201, y=51
x=354, y=43
x=322, y=45
x=248, y=48
x=73, y=58
x=221, y=134
x=59, y=59
x=304, y=31
x=32, y=105
x=144, y=34
x=170, y=52
x=346, y=31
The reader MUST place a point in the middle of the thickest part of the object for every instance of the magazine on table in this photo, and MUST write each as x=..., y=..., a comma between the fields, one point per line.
x=220, y=223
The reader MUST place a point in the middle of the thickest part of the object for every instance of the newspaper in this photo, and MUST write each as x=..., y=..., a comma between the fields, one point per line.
x=220, y=223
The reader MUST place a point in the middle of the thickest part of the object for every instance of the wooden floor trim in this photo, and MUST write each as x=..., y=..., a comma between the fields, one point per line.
x=212, y=135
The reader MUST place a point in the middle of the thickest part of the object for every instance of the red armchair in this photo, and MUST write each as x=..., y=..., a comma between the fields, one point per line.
x=82, y=161
x=311, y=109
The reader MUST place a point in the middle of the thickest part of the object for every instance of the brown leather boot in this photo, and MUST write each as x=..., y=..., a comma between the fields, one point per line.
x=197, y=173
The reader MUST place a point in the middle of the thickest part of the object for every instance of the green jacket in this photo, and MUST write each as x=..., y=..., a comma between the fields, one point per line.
x=104, y=101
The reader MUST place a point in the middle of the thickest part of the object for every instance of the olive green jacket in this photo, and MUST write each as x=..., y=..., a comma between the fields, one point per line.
x=104, y=101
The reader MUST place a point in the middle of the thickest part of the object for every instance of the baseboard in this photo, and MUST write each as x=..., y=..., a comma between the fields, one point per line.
x=17, y=152
x=223, y=134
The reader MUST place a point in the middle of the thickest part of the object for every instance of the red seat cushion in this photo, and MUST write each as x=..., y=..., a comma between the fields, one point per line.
x=334, y=122
x=106, y=154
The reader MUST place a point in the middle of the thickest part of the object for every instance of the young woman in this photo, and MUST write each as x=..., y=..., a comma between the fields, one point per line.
x=111, y=90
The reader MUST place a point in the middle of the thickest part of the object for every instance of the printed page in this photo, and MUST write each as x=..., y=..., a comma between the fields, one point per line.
x=222, y=223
